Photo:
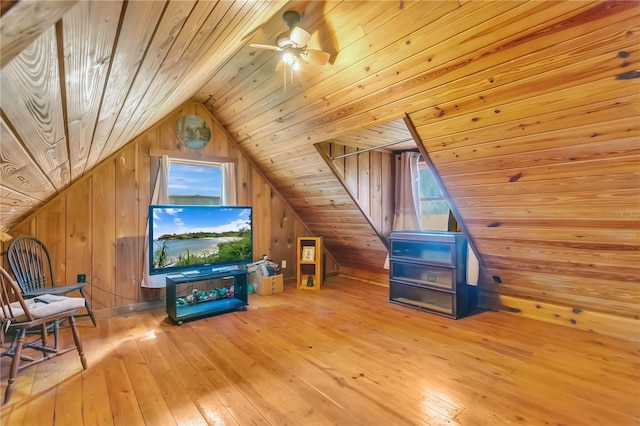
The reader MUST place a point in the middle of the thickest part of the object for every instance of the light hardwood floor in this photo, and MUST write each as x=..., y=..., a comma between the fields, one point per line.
x=339, y=356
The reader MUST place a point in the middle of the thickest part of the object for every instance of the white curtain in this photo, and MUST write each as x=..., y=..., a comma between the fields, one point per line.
x=407, y=195
x=159, y=195
x=407, y=215
x=229, y=184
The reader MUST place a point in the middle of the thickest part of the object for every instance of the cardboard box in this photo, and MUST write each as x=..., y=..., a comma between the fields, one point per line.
x=268, y=285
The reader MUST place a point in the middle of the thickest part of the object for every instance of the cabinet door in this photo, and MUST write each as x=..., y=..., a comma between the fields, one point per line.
x=423, y=275
x=423, y=298
x=424, y=251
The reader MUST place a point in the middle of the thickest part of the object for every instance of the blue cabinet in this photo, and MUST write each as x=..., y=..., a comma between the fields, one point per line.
x=427, y=271
x=186, y=302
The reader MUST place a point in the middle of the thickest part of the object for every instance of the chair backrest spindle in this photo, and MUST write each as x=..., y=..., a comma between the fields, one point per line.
x=31, y=264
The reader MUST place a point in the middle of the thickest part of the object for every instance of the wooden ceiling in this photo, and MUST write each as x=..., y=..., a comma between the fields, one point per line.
x=80, y=80
x=500, y=93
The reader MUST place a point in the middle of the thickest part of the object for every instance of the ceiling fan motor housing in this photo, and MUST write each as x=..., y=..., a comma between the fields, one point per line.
x=284, y=39
x=291, y=18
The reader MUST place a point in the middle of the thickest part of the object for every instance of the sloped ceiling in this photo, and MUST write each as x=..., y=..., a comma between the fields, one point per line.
x=81, y=79
x=488, y=85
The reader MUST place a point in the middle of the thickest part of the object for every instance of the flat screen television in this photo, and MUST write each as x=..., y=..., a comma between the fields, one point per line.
x=198, y=238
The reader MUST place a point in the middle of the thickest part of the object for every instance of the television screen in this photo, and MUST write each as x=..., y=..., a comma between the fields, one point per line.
x=198, y=238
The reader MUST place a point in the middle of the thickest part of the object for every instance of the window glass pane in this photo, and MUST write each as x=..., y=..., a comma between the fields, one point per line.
x=434, y=210
x=434, y=207
x=195, y=184
x=428, y=185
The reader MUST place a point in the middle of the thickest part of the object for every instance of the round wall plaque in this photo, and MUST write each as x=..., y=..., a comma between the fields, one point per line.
x=192, y=131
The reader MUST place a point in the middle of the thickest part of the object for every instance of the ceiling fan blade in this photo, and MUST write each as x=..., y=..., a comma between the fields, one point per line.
x=299, y=37
x=315, y=57
x=264, y=46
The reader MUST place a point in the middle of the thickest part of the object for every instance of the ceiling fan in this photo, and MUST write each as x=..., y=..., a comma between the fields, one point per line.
x=293, y=45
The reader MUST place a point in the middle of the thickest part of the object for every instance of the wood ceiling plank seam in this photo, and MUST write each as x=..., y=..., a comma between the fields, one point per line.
x=125, y=59
x=185, y=32
x=375, y=136
x=31, y=104
x=617, y=145
x=550, y=123
x=276, y=104
x=550, y=173
x=316, y=188
x=209, y=91
x=396, y=49
x=601, y=57
x=15, y=205
x=559, y=267
x=576, y=200
x=303, y=201
x=230, y=82
x=164, y=36
x=272, y=87
x=618, y=290
x=88, y=35
x=174, y=95
x=25, y=22
x=9, y=194
x=348, y=123
x=538, y=249
x=625, y=237
x=610, y=182
x=129, y=51
x=542, y=212
x=407, y=102
x=491, y=107
x=269, y=155
x=224, y=45
x=128, y=60
x=578, y=224
x=19, y=170
x=190, y=59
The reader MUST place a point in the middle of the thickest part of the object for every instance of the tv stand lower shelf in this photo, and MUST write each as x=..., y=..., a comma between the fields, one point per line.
x=219, y=292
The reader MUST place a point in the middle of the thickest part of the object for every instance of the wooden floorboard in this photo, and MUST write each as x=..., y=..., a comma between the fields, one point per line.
x=340, y=356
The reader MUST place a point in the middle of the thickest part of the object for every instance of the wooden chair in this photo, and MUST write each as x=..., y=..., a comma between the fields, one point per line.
x=18, y=315
x=31, y=265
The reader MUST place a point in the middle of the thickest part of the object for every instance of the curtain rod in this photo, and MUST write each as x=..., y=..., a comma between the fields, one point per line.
x=370, y=149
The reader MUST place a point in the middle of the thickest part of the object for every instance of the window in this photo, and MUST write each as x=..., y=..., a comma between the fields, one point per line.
x=195, y=182
x=434, y=210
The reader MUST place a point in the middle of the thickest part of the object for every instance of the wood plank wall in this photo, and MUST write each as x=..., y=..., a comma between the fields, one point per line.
x=97, y=226
x=368, y=178
x=551, y=201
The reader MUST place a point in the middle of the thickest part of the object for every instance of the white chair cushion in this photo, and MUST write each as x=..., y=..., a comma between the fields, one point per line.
x=39, y=307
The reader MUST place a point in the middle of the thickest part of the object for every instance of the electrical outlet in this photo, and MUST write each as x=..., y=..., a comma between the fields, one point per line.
x=82, y=278
x=284, y=264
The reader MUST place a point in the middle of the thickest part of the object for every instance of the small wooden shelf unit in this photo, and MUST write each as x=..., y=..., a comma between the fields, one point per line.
x=309, y=263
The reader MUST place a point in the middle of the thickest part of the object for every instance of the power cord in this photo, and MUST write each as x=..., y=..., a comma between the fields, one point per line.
x=122, y=297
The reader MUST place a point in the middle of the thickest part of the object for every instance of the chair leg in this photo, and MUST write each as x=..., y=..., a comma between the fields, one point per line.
x=78, y=342
x=86, y=304
x=56, y=334
x=15, y=364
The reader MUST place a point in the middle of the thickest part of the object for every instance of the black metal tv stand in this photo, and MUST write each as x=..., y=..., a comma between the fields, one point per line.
x=185, y=302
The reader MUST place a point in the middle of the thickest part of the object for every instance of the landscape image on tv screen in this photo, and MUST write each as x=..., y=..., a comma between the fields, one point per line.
x=185, y=236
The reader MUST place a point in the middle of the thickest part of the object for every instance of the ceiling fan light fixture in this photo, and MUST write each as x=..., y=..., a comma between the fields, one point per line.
x=289, y=56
